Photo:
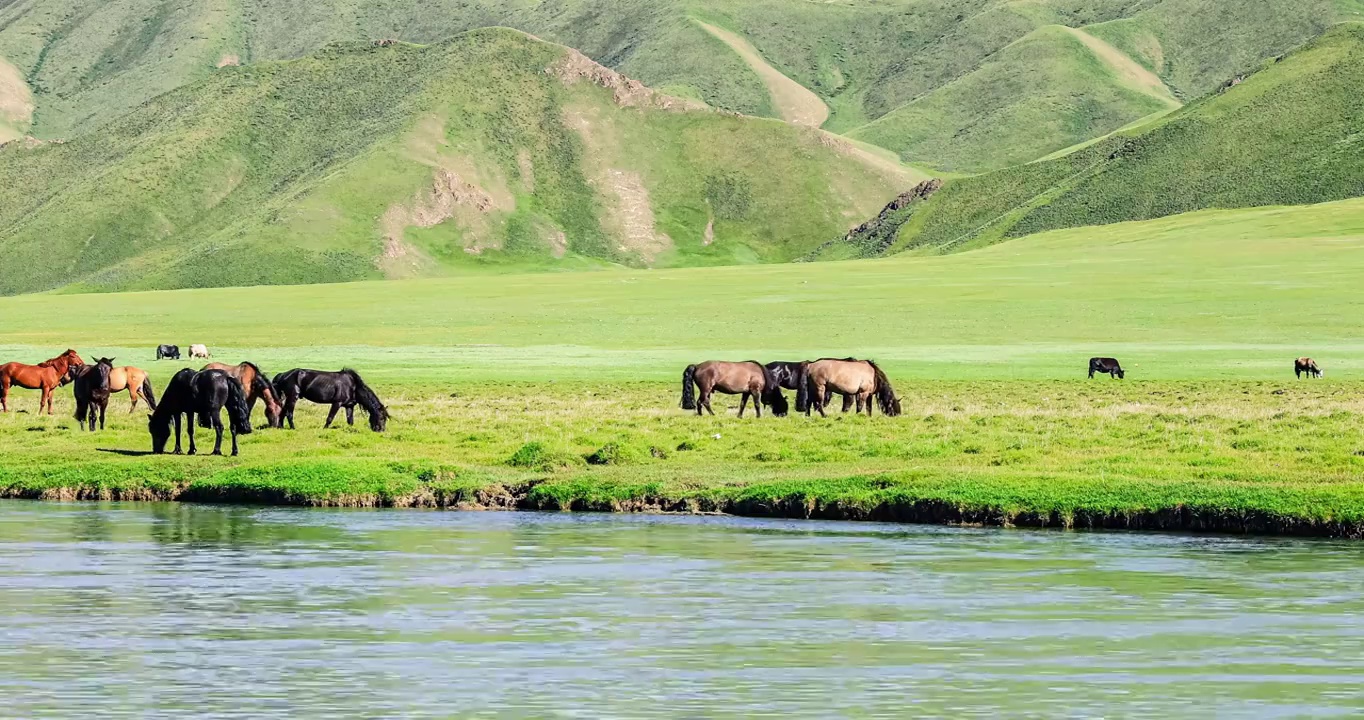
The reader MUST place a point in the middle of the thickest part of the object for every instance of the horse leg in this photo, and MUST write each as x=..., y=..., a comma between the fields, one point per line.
x=703, y=399
x=189, y=429
x=218, y=433
x=817, y=397
x=865, y=398
x=132, y=393
x=46, y=399
x=103, y=406
x=350, y=414
x=757, y=402
x=4, y=393
x=287, y=412
x=176, y=418
x=331, y=416
x=743, y=402
x=234, y=441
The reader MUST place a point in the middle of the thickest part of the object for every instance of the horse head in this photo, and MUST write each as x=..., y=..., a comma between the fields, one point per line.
x=378, y=420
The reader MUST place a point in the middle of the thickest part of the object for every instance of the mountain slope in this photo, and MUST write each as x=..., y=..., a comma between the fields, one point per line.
x=1045, y=92
x=1291, y=133
x=491, y=149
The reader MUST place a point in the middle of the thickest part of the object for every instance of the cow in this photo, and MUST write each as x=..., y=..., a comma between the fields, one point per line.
x=1308, y=366
x=167, y=352
x=199, y=351
x=1105, y=365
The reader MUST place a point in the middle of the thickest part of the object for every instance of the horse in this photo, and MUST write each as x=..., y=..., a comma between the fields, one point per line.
x=257, y=386
x=202, y=395
x=167, y=352
x=91, y=388
x=135, y=381
x=342, y=389
x=199, y=351
x=749, y=379
x=1103, y=365
x=862, y=379
x=47, y=376
x=1307, y=365
x=788, y=377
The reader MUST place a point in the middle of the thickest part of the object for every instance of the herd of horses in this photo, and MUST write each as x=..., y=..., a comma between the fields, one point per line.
x=200, y=396
x=197, y=396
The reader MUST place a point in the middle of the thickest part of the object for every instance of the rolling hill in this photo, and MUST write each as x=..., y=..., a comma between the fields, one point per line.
x=1291, y=133
x=489, y=150
x=900, y=61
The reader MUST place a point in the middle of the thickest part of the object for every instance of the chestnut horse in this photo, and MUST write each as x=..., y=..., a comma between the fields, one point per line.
x=861, y=379
x=750, y=379
x=257, y=387
x=135, y=381
x=46, y=376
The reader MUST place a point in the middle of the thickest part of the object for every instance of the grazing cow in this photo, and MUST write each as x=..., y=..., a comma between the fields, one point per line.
x=199, y=351
x=1105, y=365
x=167, y=352
x=1308, y=366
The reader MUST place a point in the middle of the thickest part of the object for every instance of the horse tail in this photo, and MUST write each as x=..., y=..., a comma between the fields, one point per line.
x=147, y=393
x=885, y=394
x=688, y=388
x=803, y=388
x=238, y=414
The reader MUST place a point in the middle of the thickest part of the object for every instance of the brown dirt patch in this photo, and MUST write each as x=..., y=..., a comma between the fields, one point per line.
x=447, y=197
x=16, y=102
x=526, y=168
x=796, y=103
x=229, y=60
x=633, y=216
x=575, y=67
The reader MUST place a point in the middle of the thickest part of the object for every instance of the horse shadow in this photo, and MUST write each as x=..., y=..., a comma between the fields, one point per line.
x=127, y=453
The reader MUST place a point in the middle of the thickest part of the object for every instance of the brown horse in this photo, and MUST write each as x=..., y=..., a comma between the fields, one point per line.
x=135, y=381
x=46, y=376
x=860, y=379
x=257, y=386
x=1307, y=366
x=750, y=379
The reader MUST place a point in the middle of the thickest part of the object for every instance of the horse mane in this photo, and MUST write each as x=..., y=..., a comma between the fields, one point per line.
x=363, y=395
x=178, y=396
x=885, y=394
x=261, y=381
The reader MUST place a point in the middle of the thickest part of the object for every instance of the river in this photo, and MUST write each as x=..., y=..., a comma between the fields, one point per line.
x=156, y=609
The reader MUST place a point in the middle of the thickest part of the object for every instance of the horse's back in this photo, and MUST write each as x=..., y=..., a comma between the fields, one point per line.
x=846, y=376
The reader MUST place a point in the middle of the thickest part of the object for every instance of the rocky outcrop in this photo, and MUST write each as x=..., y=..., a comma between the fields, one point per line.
x=875, y=236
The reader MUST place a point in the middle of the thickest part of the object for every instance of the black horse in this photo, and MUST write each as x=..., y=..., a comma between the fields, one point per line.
x=202, y=395
x=342, y=389
x=1107, y=365
x=167, y=352
x=91, y=387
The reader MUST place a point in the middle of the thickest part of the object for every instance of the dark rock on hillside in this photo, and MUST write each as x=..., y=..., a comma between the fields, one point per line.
x=875, y=236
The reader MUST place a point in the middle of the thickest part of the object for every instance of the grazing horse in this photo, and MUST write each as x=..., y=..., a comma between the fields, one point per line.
x=47, y=376
x=788, y=377
x=1307, y=365
x=167, y=352
x=342, y=389
x=199, y=351
x=749, y=379
x=135, y=381
x=200, y=395
x=861, y=379
x=1103, y=365
x=257, y=386
x=91, y=388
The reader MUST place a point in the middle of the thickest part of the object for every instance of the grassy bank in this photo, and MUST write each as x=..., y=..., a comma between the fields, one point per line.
x=1228, y=456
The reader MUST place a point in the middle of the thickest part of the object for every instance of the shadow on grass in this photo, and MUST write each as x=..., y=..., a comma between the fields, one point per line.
x=128, y=453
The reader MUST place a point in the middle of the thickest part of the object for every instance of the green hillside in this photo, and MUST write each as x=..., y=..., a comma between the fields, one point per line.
x=1292, y=133
x=1042, y=93
x=492, y=149
x=89, y=63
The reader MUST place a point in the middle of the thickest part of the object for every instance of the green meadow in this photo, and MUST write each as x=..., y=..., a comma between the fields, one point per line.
x=561, y=390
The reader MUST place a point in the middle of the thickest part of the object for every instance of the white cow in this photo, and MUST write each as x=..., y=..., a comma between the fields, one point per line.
x=199, y=351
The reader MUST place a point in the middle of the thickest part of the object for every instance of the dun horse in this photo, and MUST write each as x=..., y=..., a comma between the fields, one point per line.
x=788, y=377
x=91, y=388
x=135, y=381
x=200, y=395
x=257, y=386
x=750, y=379
x=45, y=376
x=342, y=389
x=860, y=379
x=1306, y=366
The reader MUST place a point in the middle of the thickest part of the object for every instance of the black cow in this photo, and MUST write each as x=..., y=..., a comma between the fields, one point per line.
x=167, y=352
x=1105, y=365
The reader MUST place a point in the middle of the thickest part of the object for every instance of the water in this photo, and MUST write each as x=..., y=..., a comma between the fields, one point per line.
x=155, y=609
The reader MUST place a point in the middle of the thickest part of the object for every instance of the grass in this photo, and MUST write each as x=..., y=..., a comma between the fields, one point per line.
x=252, y=177
x=1044, y=92
x=1288, y=134
x=557, y=391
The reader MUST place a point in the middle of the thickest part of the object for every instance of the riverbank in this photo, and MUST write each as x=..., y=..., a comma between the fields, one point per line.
x=1241, y=457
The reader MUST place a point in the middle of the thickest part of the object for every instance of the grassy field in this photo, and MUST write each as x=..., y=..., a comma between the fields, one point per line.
x=364, y=162
x=503, y=387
